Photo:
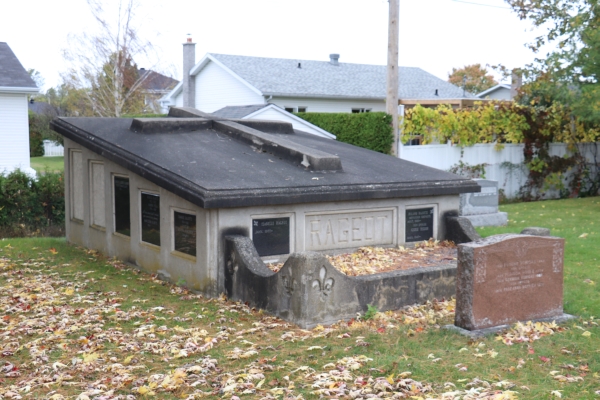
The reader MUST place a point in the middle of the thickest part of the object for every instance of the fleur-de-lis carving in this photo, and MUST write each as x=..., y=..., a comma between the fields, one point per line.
x=323, y=285
x=289, y=285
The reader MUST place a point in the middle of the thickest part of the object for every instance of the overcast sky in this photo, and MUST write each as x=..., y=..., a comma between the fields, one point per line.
x=435, y=35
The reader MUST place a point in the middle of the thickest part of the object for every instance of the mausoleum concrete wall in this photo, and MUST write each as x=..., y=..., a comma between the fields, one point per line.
x=325, y=227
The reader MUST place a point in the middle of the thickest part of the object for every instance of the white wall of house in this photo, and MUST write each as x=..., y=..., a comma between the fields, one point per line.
x=327, y=105
x=216, y=88
x=444, y=156
x=14, y=133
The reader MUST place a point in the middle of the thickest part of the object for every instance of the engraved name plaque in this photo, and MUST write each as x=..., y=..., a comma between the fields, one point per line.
x=121, y=204
x=151, y=218
x=185, y=232
x=271, y=236
x=419, y=224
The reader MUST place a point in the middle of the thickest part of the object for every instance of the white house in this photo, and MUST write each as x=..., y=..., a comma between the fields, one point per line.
x=271, y=112
x=501, y=91
x=220, y=80
x=15, y=85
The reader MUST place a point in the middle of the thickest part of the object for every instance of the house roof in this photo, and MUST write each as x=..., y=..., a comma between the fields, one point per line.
x=243, y=112
x=13, y=77
x=493, y=89
x=156, y=81
x=41, y=107
x=238, y=112
x=306, y=78
x=217, y=163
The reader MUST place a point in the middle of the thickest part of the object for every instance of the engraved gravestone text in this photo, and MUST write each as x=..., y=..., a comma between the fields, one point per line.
x=353, y=229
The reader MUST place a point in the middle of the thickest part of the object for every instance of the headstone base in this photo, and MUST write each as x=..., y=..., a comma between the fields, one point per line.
x=495, y=219
x=477, y=333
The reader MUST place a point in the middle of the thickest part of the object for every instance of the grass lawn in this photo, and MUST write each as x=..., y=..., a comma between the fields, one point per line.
x=74, y=323
x=52, y=164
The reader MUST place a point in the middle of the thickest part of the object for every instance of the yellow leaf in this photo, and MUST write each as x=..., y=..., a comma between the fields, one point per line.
x=390, y=379
x=89, y=357
x=587, y=334
x=127, y=360
x=69, y=291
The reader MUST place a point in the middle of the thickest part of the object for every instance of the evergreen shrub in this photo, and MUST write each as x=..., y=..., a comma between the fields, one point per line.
x=32, y=206
x=371, y=130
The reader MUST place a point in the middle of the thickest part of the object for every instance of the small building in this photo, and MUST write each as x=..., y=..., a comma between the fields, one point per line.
x=15, y=86
x=162, y=193
x=220, y=80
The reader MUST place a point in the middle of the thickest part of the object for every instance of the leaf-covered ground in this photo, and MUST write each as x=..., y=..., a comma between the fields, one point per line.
x=76, y=325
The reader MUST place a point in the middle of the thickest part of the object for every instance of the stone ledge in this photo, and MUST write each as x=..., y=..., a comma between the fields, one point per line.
x=311, y=159
x=477, y=333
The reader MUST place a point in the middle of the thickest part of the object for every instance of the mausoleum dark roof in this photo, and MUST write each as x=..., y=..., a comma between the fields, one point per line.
x=216, y=163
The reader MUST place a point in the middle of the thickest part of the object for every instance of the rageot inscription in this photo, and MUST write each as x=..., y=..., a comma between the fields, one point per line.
x=339, y=230
x=508, y=278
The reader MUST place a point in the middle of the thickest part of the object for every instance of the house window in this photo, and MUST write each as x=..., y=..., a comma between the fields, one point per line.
x=184, y=231
x=295, y=109
x=97, y=214
x=121, y=205
x=150, y=217
x=360, y=110
x=76, y=185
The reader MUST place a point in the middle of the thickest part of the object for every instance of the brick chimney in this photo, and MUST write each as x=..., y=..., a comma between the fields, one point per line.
x=189, y=82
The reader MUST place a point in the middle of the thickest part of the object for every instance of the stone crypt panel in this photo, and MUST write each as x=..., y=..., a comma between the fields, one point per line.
x=508, y=278
x=326, y=231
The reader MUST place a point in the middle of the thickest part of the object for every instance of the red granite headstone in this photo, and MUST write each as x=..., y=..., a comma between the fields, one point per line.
x=503, y=279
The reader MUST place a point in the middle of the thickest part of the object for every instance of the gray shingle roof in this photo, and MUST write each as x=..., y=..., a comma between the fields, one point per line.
x=238, y=112
x=284, y=77
x=156, y=81
x=12, y=73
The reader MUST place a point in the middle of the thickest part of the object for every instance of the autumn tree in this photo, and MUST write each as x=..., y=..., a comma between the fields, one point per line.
x=570, y=71
x=102, y=67
x=474, y=78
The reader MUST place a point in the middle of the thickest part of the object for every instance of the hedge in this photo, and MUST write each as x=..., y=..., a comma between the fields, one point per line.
x=371, y=130
x=29, y=206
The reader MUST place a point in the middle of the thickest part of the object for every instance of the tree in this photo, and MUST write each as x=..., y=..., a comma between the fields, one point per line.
x=474, y=78
x=570, y=72
x=102, y=67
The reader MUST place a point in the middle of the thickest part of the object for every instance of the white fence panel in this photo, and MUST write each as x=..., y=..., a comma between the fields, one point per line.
x=510, y=179
x=52, y=149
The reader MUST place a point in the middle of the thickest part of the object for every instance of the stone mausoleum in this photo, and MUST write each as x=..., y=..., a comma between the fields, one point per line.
x=162, y=193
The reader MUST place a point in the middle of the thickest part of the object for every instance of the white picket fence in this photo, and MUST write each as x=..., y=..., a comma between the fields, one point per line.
x=52, y=149
x=444, y=156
